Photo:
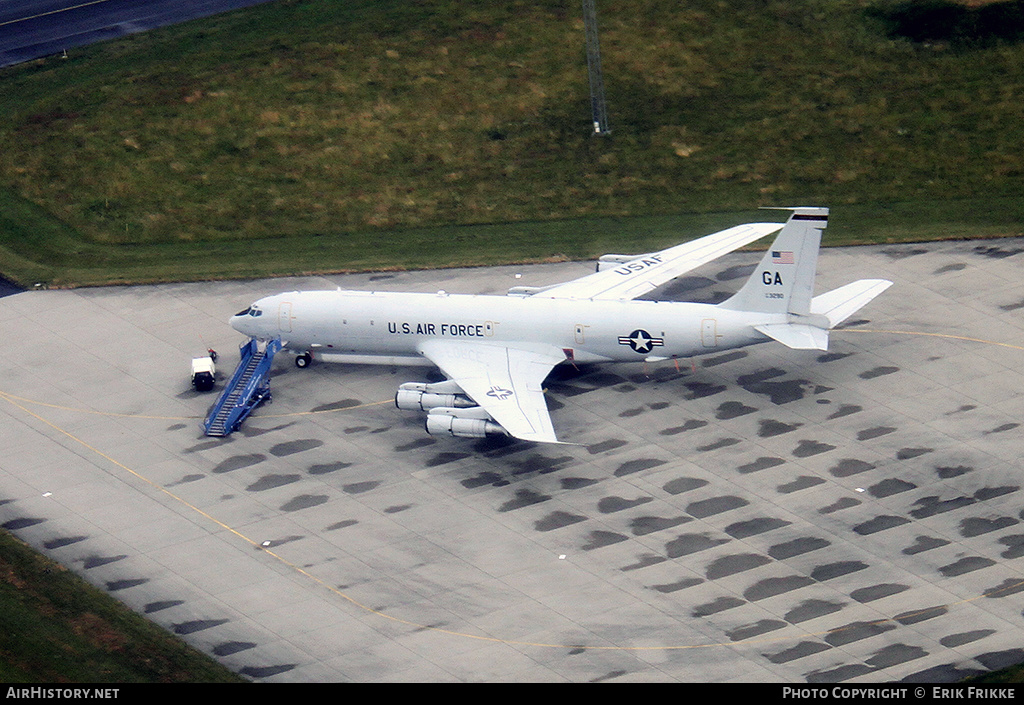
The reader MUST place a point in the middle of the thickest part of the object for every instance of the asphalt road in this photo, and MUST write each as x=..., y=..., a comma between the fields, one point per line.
x=37, y=28
x=758, y=515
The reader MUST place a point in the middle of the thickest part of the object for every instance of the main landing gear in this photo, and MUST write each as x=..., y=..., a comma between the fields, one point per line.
x=303, y=360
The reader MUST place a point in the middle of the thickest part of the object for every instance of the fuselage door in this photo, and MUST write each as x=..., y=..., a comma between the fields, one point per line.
x=285, y=317
x=709, y=332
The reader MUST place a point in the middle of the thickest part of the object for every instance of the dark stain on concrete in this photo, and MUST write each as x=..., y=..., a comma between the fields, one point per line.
x=641, y=526
x=976, y=526
x=237, y=462
x=753, y=527
x=733, y=409
x=796, y=547
x=771, y=587
x=850, y=466
x=801, y=650
x=115, y=585
x=603, y=446
x=719, y=444
x=877, y=592
x=644, y=561
x=684, y=484
x=197, y=625
x=945, y=473
x=360, y=487
x=855, y=631
x=870, y=433
x=715, y=505
x=966, y=565
x=232, y=647
x=839, y=504
x=417, y=443
x=932, y=505
x=687, y=544
x=1010, y=586
x=908, y=453
x=846, y=410
x=807, y=448
x=895, y=654
x=735, y=563
x=954, y=640
x=61, y=542
x=667, y=588
x=811, y=609
x=576, y=483
x=343, y=404
x=445, y=458
x=830, y=571
x=882, y=522
x=608, y=505
x=1014, y=544
x=631, y=466
x=924, y=543
x=722, y=359
x=750, y=631
x=762, y=463
x=890, y=486
x=269, y=482
x=878, y=372
x=303, y=501
x=95, y=561
x=921, y=615
x=558, y=520
x=600, y=539
x=986, y=493
x=699, y=390
x=721, y=604
x=770, y=427
x=325, y=468
x=801, y=483
x=152, y=607
x=688, y=426
x=297, y=446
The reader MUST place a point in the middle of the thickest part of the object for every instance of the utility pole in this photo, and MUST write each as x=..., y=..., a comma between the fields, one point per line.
x=597, y=103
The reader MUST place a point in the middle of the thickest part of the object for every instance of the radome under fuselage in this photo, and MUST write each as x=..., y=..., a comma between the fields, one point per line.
x=393, y=324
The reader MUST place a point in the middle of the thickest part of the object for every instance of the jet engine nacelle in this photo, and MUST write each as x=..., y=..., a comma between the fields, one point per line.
x=610, y=261
x=416, y=400
x=445, y=424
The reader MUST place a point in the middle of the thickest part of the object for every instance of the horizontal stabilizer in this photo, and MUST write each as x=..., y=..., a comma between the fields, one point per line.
x=798, y=336
x=839, y=304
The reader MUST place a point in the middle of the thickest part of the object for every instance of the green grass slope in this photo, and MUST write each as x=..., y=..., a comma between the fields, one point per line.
x=319, y=135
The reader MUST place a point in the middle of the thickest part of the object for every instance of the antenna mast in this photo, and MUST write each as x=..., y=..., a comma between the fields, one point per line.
x=597, y=103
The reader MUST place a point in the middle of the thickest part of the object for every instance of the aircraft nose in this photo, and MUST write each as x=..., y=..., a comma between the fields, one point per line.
x=243, y=321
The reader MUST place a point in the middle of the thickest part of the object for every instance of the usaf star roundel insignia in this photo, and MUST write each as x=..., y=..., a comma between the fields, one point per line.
x=641, y=341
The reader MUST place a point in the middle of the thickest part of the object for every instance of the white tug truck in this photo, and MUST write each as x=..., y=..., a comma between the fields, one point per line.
x=204, y=371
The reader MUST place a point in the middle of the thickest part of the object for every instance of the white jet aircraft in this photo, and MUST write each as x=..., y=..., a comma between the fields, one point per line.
x=497, y=350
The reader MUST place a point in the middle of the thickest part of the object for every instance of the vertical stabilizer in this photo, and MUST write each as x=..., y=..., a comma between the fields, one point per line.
x=783, y=282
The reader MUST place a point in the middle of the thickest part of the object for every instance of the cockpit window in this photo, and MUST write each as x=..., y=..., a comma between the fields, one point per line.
x=251, y=311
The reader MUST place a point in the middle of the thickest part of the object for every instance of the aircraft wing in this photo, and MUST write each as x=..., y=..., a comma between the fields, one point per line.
x=647, y=272
x=504, y=379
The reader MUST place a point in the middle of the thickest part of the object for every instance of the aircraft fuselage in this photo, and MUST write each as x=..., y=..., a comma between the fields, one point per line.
x=392, y=324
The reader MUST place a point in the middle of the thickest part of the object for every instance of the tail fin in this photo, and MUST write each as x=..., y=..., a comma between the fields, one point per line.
x=783, y=283
x=784, y=280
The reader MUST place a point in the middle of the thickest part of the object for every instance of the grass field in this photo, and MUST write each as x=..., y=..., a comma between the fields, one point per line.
x=311, y=135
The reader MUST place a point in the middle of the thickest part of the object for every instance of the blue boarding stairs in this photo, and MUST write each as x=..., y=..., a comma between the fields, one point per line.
x=248, y=388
